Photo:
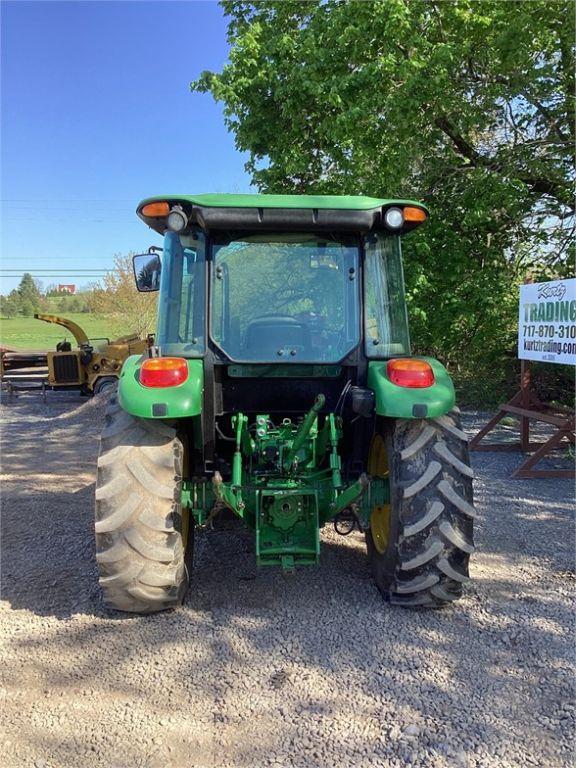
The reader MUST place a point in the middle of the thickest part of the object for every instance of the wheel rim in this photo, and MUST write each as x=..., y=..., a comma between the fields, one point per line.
x=380, y=527
x=380, y=513
x=104, y=385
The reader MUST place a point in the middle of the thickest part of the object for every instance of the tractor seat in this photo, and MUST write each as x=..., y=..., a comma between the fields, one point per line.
x=268, y=334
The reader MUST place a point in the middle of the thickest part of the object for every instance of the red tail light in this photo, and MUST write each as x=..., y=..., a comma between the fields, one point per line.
x=163, y=372
x=410, y=373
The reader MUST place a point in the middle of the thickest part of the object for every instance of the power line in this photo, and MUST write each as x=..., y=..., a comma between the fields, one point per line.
x=60, y=258
x=65, y=274
x=55, y=274
x=66, y=200
x=26, y=207
x=59, y=271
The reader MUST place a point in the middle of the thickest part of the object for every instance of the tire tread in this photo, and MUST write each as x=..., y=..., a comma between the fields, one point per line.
x=431, y=497
x=139, y=548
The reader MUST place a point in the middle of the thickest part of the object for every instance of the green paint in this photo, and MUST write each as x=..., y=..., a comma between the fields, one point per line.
x=286, y=483
x=398, y=402
x=302, y=434
x=349, y=495
x=199, y=498
x=287, y=527
x=379, y=494
x=231, y=496
x=335, y=462
x=325, y=202
x=182, y=401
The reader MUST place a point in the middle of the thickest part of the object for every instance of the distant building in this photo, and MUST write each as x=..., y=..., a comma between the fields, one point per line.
x=66, y=288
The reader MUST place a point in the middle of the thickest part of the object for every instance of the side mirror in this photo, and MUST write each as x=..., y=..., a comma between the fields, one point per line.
x=147, y=270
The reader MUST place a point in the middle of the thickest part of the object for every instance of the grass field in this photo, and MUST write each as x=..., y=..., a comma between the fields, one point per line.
x=28, y=333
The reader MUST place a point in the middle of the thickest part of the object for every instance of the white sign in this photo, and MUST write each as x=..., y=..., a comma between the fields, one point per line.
x=547, y=322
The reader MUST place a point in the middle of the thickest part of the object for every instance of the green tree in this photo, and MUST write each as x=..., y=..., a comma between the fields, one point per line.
x=74, y=305
x=29, y=294
x=468, y=106
x=10, y=305
x=116, y=297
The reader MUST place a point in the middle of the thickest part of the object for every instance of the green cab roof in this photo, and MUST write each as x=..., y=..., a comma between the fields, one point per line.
x=291, y=212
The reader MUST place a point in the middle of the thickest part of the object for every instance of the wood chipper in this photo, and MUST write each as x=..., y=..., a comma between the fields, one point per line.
x=281, y=389
x=91, y=367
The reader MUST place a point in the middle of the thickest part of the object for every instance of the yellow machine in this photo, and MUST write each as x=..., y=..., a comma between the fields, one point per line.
x=90, y=367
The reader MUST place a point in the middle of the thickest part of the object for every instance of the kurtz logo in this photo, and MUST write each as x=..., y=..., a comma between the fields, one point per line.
x=551, y=290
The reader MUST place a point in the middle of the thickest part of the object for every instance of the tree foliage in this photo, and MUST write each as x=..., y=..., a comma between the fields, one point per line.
x=468, y=106
x=10, y=305
x=30, y=298
x=116, y=297
x=25, y=300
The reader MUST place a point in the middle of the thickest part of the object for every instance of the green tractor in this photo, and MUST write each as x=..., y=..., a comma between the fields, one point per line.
x=280, y=389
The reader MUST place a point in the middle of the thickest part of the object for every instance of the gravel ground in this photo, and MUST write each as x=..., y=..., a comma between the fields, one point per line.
x=264, y=669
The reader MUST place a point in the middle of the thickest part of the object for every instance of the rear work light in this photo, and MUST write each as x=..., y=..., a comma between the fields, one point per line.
x=163, y=372
x=394, y=218
x=177, y=220
x=410, y=373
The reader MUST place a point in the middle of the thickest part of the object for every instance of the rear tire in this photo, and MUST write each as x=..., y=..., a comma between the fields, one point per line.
x=143, y=561
x=420, y=557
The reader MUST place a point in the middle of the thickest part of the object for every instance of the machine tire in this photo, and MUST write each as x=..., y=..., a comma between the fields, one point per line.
x=105, y=384
x=425, y=560
x=143, y=561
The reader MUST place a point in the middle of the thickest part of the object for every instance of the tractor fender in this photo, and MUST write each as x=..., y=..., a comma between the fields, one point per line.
x=177, y=402
x=411, y=403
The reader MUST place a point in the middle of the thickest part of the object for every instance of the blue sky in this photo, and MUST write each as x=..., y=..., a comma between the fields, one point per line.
x=96, y=115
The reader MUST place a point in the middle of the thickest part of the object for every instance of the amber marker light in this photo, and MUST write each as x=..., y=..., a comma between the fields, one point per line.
x=155, y=209
x=163, y=372
x=406, y=372
x=414, y=215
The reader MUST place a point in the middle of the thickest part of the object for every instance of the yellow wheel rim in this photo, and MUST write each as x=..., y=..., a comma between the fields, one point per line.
x=380, y=514
x=380, y=527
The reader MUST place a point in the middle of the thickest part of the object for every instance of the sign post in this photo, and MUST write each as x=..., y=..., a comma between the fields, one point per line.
x=546, y=333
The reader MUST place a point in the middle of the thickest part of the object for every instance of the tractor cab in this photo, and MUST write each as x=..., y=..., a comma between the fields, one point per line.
x=288, y=286
x=298, y=283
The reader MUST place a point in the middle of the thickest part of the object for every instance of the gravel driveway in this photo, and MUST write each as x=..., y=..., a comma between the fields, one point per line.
x=264, y=669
